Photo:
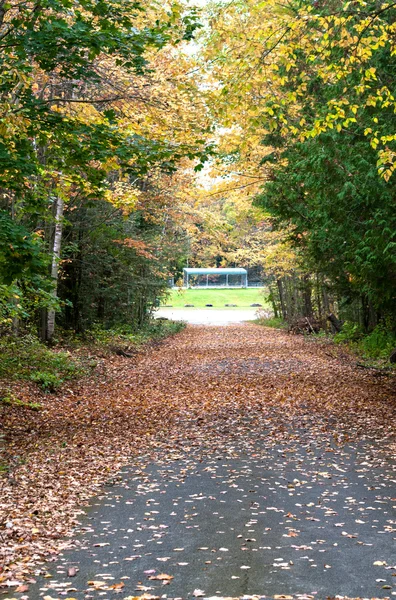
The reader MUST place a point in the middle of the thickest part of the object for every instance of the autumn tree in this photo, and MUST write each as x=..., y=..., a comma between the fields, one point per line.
x=85, y=119
x=309, y=91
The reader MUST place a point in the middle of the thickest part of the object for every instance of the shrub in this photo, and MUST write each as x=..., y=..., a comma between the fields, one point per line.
x=11, y=400
x=351, y=332
x=50, y=382
x=275, y=322
x=378, y=344
x=21, y=357
x=155, y=329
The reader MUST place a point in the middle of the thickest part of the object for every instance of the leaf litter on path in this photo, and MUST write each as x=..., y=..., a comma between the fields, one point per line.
x=208, y=392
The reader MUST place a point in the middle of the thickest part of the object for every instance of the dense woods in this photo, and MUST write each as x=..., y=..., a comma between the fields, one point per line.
x=95, y=116
x=135, y=138
x=306, y=99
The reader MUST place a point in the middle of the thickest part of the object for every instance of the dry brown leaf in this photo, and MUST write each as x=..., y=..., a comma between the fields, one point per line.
x=116, y=586
x=161, y=577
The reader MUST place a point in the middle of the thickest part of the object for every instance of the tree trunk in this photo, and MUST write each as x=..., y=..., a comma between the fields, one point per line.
x=365, y=313
x=77, y=300
x=291, y=296
x=15, y=319
x=326, y=301
x=318, y=297
x=281, y=298
x=56, y=250
x=272, y=299
x=307, y=296
x=335, y=323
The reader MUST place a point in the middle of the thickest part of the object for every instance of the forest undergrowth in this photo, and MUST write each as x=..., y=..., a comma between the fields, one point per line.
x=72, y=356
x=373, y=349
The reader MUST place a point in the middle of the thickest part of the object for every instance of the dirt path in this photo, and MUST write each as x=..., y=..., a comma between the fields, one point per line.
x=259, y=463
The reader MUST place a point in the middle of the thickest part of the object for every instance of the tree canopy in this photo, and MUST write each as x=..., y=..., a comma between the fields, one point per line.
x=251, y=133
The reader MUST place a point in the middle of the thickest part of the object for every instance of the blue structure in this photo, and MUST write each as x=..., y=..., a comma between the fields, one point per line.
x=215, y=277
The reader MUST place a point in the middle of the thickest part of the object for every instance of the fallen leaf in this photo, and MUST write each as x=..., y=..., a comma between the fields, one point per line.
x=143, y=597
x=117, y=586
x=161, y=577
x=101, y=544
x=143, y=588
x=97, y=585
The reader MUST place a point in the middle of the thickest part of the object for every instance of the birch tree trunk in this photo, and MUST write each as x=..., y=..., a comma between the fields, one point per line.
x=56, y=250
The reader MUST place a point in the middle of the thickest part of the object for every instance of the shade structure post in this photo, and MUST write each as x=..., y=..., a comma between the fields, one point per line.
x=227, y=280
x=207, y=280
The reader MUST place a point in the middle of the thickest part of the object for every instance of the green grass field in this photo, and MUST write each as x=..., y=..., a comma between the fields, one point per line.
x=241, y=297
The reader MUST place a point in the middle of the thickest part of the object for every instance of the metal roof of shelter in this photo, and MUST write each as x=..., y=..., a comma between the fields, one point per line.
x=230, y=271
